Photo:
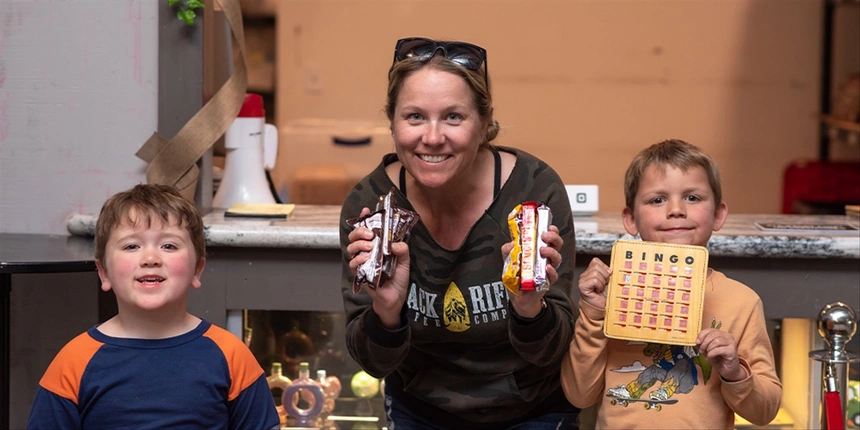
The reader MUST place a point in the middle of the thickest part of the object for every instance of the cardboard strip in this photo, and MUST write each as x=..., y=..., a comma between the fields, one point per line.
x=173, y=162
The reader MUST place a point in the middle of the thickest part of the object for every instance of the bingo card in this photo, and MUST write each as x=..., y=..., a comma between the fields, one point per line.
x=655, y=292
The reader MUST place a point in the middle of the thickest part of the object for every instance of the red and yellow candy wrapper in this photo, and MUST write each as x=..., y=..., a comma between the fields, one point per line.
x=525, y=269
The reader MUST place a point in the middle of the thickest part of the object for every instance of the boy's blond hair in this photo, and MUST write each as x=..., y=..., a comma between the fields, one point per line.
x=144, y=202
x=675, y=153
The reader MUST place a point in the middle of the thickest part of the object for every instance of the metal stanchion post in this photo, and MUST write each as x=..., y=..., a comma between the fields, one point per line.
x=836, y=324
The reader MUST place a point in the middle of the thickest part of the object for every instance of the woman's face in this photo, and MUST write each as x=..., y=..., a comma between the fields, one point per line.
x=436, y=127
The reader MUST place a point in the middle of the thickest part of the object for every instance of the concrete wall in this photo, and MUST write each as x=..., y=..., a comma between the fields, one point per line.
x=78, y=97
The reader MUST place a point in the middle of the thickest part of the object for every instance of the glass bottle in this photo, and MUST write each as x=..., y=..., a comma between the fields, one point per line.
x=293, y=347
x=331, y=390
x=304, y=390
x=278, y=384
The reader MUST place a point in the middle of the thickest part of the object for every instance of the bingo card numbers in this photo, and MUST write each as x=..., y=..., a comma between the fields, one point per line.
x=656, y=292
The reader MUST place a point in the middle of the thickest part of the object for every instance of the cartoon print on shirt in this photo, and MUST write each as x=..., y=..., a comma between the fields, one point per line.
x=675, y=367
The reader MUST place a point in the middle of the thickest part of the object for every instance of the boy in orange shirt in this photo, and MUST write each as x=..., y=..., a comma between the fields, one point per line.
x=672, y=192
x=153, y=365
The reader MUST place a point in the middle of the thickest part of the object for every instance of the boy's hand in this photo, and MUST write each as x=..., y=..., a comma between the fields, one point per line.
x=721, y=350
x=593, y=282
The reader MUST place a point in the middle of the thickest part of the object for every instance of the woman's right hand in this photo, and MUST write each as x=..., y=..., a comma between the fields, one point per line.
x=593, y=282
x=388, y=298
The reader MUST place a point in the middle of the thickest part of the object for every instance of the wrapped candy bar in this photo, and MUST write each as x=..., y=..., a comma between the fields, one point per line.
x=389, y=224
x=544, y=220
x=525, y=269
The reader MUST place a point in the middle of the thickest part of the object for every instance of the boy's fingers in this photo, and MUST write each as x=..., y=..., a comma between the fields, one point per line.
x=599, y=265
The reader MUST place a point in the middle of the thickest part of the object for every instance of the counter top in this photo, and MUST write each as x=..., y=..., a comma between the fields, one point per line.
x=316, y=227
x=43, y=253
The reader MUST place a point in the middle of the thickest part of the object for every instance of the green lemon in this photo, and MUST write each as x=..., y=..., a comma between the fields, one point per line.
x=364, y=385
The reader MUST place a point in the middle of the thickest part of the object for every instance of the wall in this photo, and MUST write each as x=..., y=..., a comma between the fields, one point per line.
x=78, y=97
x=587, y=84
x=583, y=84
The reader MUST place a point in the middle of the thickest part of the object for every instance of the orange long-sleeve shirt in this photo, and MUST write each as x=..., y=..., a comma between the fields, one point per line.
x=596, y=364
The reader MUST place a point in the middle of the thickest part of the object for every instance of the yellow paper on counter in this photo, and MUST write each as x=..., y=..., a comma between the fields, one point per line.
x=260, y=210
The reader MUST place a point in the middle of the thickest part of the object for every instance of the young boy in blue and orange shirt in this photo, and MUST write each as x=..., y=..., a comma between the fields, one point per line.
x=153, y=365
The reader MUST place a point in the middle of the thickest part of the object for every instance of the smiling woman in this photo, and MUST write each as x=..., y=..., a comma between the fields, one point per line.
x=445, y=314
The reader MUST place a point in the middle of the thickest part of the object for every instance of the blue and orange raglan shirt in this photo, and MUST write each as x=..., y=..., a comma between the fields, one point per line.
x=206, y=378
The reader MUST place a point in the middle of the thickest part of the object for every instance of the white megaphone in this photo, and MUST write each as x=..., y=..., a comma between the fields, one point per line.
x=252, y=147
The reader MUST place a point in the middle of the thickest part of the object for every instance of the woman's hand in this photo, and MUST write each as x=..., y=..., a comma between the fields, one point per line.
x=360, y=244
x=388, y=298
x=593, y=282
x=528, y=304
x=552, y=253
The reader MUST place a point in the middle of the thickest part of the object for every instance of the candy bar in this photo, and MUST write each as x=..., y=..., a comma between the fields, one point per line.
x=525, y=269
x=544, y=220
x=389, y=224
x=529, y=242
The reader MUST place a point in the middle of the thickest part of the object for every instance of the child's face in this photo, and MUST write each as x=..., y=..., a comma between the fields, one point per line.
x=673, y=206
x=150, y=268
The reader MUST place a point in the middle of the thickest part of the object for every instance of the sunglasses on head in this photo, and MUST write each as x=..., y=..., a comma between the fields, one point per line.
x=465, y=54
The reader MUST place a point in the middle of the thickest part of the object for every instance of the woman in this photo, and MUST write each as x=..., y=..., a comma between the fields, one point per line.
x=455, y=349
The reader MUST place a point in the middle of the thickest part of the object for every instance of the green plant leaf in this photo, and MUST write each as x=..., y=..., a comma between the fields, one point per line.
x=187, y=16
x=170, y=3
x=193, y=4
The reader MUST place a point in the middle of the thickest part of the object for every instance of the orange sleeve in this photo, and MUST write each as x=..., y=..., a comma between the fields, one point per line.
x=63, y=376
x=244, y=369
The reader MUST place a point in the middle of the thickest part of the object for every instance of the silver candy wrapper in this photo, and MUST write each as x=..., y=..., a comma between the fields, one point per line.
x=389, y=224
x=544, y=220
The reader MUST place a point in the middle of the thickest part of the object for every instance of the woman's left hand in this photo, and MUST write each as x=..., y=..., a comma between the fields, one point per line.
x=528, y=303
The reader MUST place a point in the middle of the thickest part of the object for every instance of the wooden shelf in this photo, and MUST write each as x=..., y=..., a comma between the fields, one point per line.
x=841, y=124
